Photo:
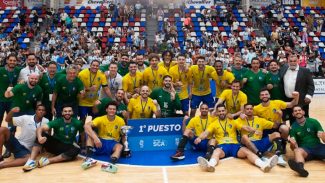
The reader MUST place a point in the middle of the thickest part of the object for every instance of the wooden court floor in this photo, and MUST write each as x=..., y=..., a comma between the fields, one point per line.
x=229, y=170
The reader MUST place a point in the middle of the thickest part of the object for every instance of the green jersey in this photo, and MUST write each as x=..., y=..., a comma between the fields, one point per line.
x=168, y=107
x=239, y=73
x=7, y=79
x=123, y=70
x=66, y=132
x=277, y=91
x=47, y=84
x=26, y=98
x=255, y=82
x=102, y=110
x=104, y=68
x=68, y=91
x=306, y=135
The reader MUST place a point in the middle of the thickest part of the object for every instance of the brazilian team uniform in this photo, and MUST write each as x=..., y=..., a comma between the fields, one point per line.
x=154, y=78
x=233, y=103
x=139, y=109
x=255, y=82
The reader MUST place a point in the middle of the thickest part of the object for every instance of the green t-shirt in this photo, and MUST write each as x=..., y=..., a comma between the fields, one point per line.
x=239, y=73
x=47, y=84
x=7, y=78
x=306, y=135
x=275, y=80
x=68, y=91
x=255, y=82
x=26, y=98
x=104, y=68
x=167, y=106
x=123, y=70
x=61, y=73
x=102, y=110
x=66, y=132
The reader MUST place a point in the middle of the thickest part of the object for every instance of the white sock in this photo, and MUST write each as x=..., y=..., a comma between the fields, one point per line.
x=213, y=162
x=260, y=163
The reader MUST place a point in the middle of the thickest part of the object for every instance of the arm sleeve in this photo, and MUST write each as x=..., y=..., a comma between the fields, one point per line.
x=18, y=121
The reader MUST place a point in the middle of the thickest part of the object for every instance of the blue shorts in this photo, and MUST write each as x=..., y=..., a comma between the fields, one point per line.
x=196, y=100
x=107, y=147
x=202, y=146
x=263, y=145
x=230, y=150
x=185, y=105
x=14, y=146
x=317, y=152
x=84, y=111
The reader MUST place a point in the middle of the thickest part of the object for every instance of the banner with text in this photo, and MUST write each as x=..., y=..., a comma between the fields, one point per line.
x=260, y=3
x=10, y=3
x=199, y=3
x=33, y=3
x=155, y=134
x=90, y=3
x=319, y=86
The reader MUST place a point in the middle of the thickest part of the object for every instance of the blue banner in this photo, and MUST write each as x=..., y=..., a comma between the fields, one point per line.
x=155, y=134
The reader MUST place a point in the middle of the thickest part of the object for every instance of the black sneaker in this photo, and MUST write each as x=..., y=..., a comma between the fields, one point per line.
x=298, y=168
x=178, y=156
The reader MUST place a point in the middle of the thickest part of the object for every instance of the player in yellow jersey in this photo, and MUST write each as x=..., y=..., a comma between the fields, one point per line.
x=224, y=78
x=234, y=100
x=143, y=106
x=194, y=128
x=132, y=81
x=255, y=141
x=152, y=76
x=106, y=141
x=225, y=132
x=93, y=79
x=181, y=75
x=167, y=63
x=201, y=90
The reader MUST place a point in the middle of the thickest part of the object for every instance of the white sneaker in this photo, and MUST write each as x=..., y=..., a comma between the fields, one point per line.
x=43, y=162
x=204, y=164
x=270, y=163
x=281, y=161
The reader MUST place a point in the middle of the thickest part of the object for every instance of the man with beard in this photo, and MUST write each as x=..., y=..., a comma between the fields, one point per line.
x=224, y=78
x=8, y=78
x=114, y=81
x=121, y=111
x=132, y=81
x=167, y=62
x=255, y=141
x=237, y=69
x=201, y=90
x=142, y=65
x=123, y=65
x=273, y=81
x=26, y=96
x=92, y=79
x=225, y=132
x=22, y=145
x=181, y=77
x=47, y=83
x=234, y=100
x=32, y=67
x=305, y=134
x=67, y=91
x=143, y=106
x=60, y=144
x=167, y=98
x=152, y=76
x=106, y=141
x=194, y=128
x=253, y=81
x=272, y=111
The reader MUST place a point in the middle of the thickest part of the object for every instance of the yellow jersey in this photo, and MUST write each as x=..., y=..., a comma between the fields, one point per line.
x=129, y=83
x=224, y=131
x=184, y=77
x=201, y=79
x=172, y=63
x=228, y=77
x=139, y=109
x=269, y=111
x=154, y=78
x=199, y=125
x=233, y=103
x=109, y=130
x=259, y=124
x=89, y=79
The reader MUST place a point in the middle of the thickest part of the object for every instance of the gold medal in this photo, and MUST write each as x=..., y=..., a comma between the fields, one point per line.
x=226, y=134
x=142, y=115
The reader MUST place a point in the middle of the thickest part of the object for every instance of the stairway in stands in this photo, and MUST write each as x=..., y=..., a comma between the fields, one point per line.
x=152, y=28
